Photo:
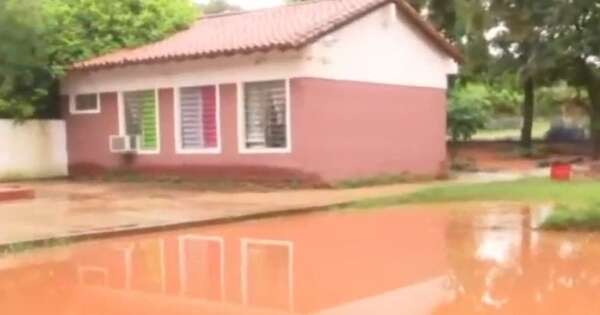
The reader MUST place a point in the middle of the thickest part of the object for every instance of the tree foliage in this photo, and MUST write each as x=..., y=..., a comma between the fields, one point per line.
x=469, y=110
x=40, y=38
x=217, y=6
x=79, y=29
x=572, y=29
x=521, y=41
x=23, y=58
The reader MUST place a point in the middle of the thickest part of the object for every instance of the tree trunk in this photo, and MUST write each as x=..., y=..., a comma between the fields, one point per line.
x=528, y=106
x=593, y=87
x=592, y=84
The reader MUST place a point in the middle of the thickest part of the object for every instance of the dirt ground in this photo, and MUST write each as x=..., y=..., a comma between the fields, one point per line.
x=507, y=156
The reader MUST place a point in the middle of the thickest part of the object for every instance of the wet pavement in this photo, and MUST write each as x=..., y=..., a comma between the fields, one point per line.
x=426, y=260
x=64, y=209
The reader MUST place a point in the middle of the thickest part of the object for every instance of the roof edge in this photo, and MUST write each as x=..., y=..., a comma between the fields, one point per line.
x=429, y=29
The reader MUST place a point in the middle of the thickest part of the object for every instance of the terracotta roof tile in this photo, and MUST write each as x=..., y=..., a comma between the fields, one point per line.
x=285, y=27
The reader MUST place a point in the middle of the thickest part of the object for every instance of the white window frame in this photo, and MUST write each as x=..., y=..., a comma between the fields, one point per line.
x=123, y=128
x=177, y=119
x=128, y=262
x=73, y=105
x=289, y=245
x=183, y=274
x=241, y=120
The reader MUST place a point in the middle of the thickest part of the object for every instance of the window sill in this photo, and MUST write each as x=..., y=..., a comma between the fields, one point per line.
x=265, y=151
x=199, y=151
x=147, y=152
x=84, y=112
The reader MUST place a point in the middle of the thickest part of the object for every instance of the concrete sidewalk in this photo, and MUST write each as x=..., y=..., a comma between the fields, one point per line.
x=65, y=209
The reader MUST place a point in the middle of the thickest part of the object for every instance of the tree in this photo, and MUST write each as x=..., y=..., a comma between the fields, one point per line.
x=23, y=58
x=464, y=23
x=80, y=29
x=522, y=42
x=36, y=50
x=572, y=30
x=217, y=6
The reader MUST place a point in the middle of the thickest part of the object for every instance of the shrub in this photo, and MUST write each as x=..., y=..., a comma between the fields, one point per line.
x=468, y=111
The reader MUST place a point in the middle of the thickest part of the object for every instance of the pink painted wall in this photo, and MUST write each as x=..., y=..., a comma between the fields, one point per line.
x=353, y=129
x=340, y=130
x=88, y=136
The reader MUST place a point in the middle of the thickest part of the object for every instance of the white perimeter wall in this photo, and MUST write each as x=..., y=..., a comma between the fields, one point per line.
x=33, y=149
x=382, y=47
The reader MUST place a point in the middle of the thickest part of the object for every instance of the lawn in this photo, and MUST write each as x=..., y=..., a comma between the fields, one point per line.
x=578, y=202
x=540, y=128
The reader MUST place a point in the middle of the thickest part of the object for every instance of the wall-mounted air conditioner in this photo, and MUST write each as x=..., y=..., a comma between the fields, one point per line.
x=124, y=144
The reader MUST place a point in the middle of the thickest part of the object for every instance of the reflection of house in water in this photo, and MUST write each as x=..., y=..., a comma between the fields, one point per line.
x=322, y=264
x=376, y=263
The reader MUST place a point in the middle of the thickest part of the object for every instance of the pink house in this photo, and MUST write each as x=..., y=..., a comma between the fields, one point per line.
x=324, y=90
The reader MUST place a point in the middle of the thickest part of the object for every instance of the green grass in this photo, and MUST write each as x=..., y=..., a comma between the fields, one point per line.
x=374, y=181
x=18, y=248
x=540, y=127
x=577, y=200
x=565, y=218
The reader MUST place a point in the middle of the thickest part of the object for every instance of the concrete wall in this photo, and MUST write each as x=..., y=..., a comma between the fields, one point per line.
x=34, y=149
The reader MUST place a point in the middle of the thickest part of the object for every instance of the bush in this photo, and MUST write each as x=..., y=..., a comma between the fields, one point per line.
x=472, y=104
x=468, y=111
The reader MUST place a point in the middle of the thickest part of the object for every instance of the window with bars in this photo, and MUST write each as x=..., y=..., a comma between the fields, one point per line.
x=141, y=118
x=198, y=118
x=86, y=103
x=265, y=112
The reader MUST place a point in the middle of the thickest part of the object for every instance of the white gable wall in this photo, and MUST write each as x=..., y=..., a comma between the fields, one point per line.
x=381, y=47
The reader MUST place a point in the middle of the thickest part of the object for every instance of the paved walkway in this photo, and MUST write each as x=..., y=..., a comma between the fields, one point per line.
x=70, y=209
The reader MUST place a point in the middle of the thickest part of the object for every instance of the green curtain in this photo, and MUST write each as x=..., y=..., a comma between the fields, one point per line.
x=149, y=122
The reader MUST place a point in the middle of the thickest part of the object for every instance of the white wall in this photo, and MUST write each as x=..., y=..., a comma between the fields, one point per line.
x=382, y=47
x=34, y=149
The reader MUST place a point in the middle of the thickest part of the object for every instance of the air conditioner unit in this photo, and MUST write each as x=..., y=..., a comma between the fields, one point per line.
x=124, y=144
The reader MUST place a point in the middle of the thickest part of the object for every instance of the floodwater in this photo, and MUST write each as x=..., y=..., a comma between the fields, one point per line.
x=408, y=261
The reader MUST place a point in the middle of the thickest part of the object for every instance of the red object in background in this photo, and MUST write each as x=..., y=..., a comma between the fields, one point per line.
x=561, y=171
x=15, y=193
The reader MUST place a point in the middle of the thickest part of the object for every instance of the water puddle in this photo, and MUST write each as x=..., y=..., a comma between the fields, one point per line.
x=413, y=261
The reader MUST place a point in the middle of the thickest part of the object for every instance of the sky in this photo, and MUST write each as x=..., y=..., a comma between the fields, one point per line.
x=253, y=4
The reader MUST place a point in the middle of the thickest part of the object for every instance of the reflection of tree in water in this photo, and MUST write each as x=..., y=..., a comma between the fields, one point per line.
x=527, y=272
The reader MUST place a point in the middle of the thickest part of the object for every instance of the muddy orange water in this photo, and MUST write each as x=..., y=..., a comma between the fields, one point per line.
x=408, y=261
